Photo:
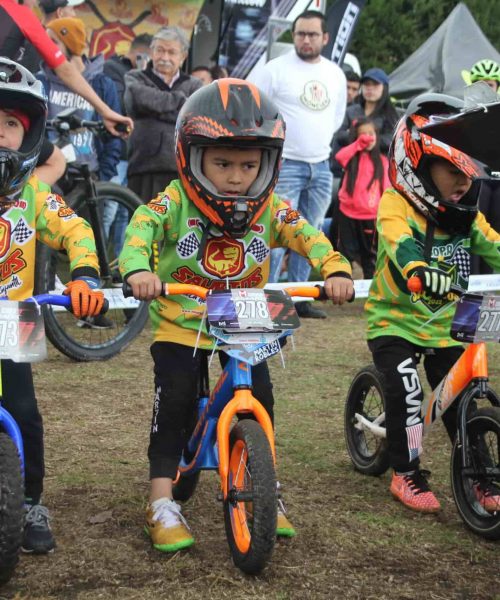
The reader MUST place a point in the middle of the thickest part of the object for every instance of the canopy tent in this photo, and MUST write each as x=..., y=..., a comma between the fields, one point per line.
x=442, y=63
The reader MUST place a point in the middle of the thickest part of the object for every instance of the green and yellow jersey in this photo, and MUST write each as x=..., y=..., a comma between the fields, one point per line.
x=391, y=309
x=214, y=261
x=38, y=214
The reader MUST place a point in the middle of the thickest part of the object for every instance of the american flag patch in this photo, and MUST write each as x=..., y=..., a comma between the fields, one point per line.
x=414, y=438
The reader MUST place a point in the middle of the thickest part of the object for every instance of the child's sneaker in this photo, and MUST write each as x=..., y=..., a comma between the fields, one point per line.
x=488, y=495
x=37, y=535
x=283, y=526
x=414, y=492
x=166, y=526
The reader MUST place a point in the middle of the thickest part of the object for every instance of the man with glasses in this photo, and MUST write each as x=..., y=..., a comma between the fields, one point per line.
x=153, y=98
x=310, y=92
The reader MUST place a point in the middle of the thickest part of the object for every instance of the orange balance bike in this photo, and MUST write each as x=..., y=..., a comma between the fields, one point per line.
x=475, y=454
x=248, y=325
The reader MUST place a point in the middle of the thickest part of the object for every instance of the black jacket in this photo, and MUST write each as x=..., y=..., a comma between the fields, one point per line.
x=116, y=68
x=154, y=106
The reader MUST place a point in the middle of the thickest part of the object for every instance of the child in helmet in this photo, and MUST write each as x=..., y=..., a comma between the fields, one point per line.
x=428, y=225
x=218, y=223
x=488, y=71
x=29, y=212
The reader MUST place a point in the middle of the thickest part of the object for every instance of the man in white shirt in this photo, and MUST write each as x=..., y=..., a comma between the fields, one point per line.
x=310, y=92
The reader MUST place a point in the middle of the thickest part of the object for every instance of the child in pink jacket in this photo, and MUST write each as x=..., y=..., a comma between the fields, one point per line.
x=365, y=179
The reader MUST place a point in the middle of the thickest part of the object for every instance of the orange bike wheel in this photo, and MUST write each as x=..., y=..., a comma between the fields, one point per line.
x=250, y=509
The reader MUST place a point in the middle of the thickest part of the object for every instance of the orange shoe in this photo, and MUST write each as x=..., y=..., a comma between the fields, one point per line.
x=414, y=492
x=488, y=495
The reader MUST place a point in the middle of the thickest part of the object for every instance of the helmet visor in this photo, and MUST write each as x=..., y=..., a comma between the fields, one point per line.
x=474, y=133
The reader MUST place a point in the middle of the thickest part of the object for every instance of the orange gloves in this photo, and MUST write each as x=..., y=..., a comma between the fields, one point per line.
x=85, y=302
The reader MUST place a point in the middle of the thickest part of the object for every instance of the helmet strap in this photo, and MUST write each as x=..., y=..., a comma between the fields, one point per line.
x=429, y=240
x=203, y=241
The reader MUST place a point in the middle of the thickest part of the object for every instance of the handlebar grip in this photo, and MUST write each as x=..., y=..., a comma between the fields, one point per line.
x=414, y=284
x=122, y=128
x=321, y=293
x=127, y=290
x=105, y=306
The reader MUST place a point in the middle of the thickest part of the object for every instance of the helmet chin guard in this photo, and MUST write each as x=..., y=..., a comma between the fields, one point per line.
x=235, y=114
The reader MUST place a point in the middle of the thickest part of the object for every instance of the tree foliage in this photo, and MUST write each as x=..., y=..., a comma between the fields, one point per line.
x=389, y=31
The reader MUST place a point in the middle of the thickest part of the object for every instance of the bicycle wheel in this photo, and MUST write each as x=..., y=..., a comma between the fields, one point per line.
x=105, y=336
x=250, y=510
x=185, y=486
x=482, y=447
x=11, y=507
x=367, y=451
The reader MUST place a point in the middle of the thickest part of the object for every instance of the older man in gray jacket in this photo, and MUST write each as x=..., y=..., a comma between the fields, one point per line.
x=153, y=98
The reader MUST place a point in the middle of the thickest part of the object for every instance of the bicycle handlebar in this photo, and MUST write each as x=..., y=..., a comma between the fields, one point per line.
x=65, y=124
x=414, y=284
x=61, y=300
x=176, y=289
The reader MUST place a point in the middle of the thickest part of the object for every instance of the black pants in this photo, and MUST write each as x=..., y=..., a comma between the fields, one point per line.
x=19, y=399
x=177, y=375
x=357, y=238
x=397, y=360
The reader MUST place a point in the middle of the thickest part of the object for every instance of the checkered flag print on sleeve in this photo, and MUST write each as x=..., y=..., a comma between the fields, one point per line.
x=462, y=260
x=188, y=245
x=22, y=232
x=258, y=250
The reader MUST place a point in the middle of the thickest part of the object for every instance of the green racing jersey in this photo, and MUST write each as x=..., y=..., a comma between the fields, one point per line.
x=391, y=308
x=216, y=262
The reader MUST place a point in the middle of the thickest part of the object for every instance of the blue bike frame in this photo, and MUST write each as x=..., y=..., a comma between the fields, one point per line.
x=209, y=443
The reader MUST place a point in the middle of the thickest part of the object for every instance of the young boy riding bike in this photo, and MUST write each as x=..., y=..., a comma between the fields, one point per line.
x=428, y=226
x=218, y=224
x=29, y=212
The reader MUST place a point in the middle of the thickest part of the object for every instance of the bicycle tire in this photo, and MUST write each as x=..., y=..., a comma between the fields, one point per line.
x=251, y=524
x=483, y=422
x=185, y=486
x=76, y=339
x=368, y=453
x=11, y=507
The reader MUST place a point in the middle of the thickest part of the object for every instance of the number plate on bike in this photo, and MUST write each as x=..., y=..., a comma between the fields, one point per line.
x=477, y=319
x=251, y=309
x=22, y=334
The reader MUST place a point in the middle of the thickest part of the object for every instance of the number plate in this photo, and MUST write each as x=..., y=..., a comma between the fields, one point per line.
x=252, y=355
x=22, y=334
x=251, y=309
x=477, y=319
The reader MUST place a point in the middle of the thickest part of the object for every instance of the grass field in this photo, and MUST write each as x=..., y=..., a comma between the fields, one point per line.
x=353, y=542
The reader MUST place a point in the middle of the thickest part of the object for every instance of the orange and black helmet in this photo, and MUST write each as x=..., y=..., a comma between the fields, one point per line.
x=411, y=153
x=232, y=113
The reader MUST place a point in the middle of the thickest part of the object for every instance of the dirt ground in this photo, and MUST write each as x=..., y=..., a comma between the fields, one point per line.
x=353, y=542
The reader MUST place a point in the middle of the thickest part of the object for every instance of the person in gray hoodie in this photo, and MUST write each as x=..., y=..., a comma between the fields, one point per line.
x=102, y=154
x=153, y=98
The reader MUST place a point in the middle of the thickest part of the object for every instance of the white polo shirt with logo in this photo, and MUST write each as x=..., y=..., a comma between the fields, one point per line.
x=312, y=98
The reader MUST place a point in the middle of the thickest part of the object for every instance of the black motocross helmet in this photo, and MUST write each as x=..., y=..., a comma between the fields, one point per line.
x=411, y=154
x=19, y=89
x=234, y=113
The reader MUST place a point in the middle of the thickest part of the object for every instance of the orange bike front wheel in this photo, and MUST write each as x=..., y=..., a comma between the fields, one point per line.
x=250, y=509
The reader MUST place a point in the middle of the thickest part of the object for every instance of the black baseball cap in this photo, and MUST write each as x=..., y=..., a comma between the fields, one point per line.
x=50, y=6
